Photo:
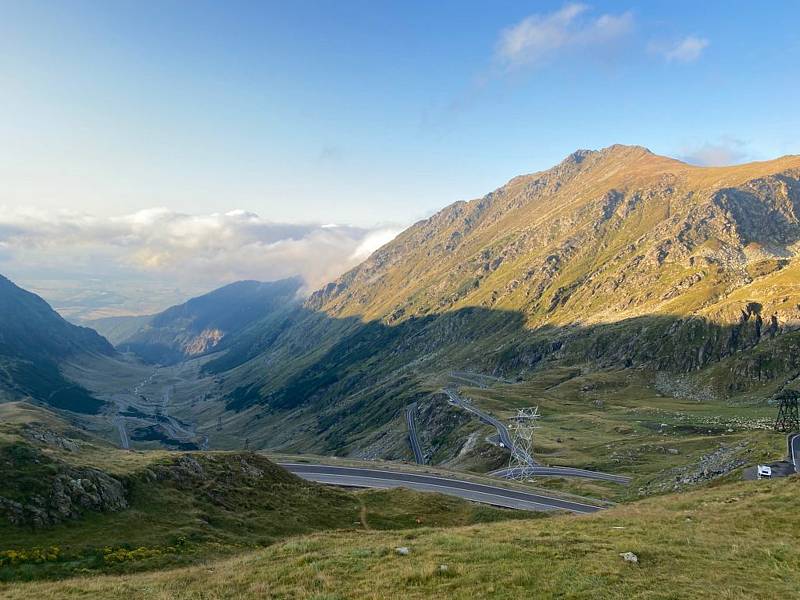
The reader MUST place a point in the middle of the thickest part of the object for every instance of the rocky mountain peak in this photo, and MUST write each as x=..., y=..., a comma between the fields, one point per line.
x=603, y=235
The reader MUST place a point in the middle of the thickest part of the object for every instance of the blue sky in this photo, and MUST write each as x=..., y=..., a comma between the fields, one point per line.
x=370, y=112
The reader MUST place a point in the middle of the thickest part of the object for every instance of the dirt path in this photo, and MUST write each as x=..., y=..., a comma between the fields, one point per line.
x=362, y=515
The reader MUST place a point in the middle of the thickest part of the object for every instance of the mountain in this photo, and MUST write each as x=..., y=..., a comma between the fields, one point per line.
x=34, y=341
x=616, y=258
x=118, y=329
x=615, y=236
x=202, y=324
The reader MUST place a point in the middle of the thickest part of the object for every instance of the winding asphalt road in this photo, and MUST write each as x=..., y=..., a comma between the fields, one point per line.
x=502, y=430
x=476, y=492
x=534, y=468
x=123, y=433
x=411, y=421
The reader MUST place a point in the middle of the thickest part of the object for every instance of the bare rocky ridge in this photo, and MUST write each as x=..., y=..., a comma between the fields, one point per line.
x=636, y=230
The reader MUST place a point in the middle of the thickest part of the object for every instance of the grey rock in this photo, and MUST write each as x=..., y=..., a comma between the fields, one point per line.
x=250, y=470
x=630, y=557
x=37, y=432
x=71, y=493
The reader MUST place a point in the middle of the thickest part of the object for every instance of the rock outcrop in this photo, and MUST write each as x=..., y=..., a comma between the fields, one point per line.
x=71, y=494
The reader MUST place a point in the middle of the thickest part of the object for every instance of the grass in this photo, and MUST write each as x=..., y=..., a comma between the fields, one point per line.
x=616, y=421
x=176, y=516
x=728, y=541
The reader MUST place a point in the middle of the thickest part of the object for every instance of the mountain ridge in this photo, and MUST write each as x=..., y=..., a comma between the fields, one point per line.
x=34, y=341
x=613, y=260
x=201, y=324
x=486, y=213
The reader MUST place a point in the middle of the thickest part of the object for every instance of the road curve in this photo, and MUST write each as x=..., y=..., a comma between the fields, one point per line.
x=563, y=472
x=411, y=422
x=502, y=430
x=123, y=433
x=534, y=468
x=477, y=492
x=794, y=450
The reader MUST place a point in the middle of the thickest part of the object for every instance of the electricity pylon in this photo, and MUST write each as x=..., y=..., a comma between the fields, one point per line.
x=522, y=427
x=788, y=413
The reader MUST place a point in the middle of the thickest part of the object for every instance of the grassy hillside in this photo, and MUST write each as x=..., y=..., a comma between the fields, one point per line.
x=731, y=541
x=70, y=504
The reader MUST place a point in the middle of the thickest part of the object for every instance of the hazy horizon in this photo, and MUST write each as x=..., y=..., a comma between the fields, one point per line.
x=169, y=149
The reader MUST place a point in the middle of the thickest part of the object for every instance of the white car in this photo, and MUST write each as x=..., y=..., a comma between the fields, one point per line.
x=764, y=472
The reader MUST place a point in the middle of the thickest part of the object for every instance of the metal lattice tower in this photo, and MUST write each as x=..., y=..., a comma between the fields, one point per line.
x=522, y=428
x=788, y=412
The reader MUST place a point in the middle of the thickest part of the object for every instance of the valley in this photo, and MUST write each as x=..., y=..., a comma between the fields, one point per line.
x=647, y=308
x=399, y=300
x=610, y=435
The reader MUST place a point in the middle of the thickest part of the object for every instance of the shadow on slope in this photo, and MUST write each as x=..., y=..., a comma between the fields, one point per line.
x=356, y=376
x=201, y=324
x=34, y=340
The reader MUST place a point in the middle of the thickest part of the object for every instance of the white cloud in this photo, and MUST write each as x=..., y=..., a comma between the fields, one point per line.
x=202, y=251
x=539, y=37
x=685, y=50
x=725, y=151
x=372, y=241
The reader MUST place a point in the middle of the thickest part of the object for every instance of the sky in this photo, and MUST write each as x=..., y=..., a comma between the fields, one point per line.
x=204, y=117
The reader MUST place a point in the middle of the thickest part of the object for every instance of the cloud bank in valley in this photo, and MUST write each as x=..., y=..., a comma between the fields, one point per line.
x=194, y=251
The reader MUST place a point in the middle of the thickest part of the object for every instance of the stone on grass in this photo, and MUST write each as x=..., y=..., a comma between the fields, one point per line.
x=402, y=550
x=630, y=557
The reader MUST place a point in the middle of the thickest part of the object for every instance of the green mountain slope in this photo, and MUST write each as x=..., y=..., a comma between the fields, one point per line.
x=71, y=503
x=612, y=259
x=117, y=329
x=202, y=324
x=34, y=340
